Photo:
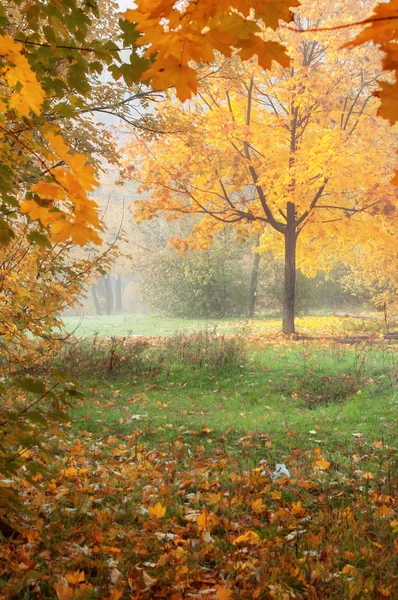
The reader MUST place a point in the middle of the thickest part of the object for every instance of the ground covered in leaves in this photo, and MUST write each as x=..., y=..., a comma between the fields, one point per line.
x=166, y=484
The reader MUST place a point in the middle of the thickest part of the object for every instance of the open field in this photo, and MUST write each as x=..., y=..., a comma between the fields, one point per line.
x=165, y=485
x=149, y=325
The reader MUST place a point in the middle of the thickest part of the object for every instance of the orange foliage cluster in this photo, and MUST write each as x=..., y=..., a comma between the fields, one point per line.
x=194, y=31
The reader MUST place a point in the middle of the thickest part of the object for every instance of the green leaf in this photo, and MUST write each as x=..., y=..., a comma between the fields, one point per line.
x=35, y=467
x=36, y=417
x=6, y=233
x=38, y=238
x=28, y=384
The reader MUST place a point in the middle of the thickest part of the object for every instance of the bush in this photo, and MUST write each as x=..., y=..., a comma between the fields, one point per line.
x=113, y=357
x=211, y=283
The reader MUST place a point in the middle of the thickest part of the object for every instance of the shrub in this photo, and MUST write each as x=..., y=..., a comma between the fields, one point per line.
x=129, y=357
x=206, y=350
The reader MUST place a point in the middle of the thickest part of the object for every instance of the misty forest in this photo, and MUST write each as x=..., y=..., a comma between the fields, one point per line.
x=198, y=299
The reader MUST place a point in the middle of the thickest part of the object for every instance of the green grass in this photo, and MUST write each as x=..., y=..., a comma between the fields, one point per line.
x=200, y=438
x=149, y=325
x=299, y=396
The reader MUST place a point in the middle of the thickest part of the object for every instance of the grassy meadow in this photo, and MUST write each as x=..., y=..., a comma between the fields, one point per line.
x=150, y=325
x=166, y=483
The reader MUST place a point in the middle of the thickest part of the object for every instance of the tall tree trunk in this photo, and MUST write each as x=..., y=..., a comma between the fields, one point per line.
x=118, y=294
x=108, y=294
x=96, y=301
x=289, y=290
x=254, y=280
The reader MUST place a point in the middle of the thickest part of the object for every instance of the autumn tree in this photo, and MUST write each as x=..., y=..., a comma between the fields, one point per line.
x=52, y=60
x=297, y=152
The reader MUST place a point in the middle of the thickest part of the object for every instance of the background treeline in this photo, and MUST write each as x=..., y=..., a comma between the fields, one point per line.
x=228, y=279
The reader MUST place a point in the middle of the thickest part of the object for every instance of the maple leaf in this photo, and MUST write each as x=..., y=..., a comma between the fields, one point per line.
x=206, y=520
x=76, y=577
x=258, y=505
x=238, y=27
x=62, y=589
x=223, y=593
x=273, y=11
x=390, y=60
x=298, y=509
x=389, y=101
x=37, y=212
x=49, y=190
x=167, y=72
x=69, y=472
x=250, y=537
x=381, y=27
x=84, y=172
x=29, y=95
x=265, y=51
x=322, y=464
x=157, y=511
x=77, y=230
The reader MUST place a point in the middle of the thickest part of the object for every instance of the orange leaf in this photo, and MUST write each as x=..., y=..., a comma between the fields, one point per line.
x=389, y=101
x=223, y=593
x=62, y=589
x=206, y=520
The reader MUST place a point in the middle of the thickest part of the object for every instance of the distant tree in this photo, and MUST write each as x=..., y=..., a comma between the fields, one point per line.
x=304, y=139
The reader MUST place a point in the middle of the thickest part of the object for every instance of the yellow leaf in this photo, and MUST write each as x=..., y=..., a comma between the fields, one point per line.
x=38, y=213
x=250, y=537
x=76, y=577
x=157, y=511
x=298, y=509
x=78, y=231
x=382, y=26
x=258, y=505
x=350, y=570
x=276, y=495
x=322, y=464
x=238, y=27
x=69, y=472
x=29, y=95
x=378, y=444
x=394, y=524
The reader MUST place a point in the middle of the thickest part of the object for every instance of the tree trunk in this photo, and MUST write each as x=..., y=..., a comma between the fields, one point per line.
x=96, y=301
x=108, y=294
x=290, y=271
x=118, y=294
x=254, y=280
